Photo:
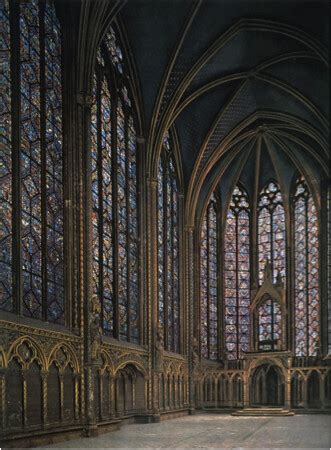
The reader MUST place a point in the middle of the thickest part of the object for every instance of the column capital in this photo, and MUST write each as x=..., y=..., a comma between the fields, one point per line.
x=189, y=228
x=152, y=182
x=141, y=140
x=84, y=99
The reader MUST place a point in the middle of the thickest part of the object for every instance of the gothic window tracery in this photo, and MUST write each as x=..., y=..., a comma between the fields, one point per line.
x=306, y=248
x=114, y=195
x=31, y=208
x=209, y=281
x=271, y=232
x=168, y=248
x=237, y=275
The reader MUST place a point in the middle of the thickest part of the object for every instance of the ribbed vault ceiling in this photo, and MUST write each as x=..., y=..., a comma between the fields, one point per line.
x=244, y=84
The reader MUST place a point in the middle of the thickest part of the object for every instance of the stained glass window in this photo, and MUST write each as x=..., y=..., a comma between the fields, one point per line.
x=6, y=298
x=208, y=282
x=270, y=326
x=114, y=196
x=237, y=275
x=271, y=232
x=307, y=322
x=168, y=248
x=38, y=183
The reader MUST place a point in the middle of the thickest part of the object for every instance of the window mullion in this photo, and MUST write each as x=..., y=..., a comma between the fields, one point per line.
x=128, y=238
x=43, y=159
x=15, y=71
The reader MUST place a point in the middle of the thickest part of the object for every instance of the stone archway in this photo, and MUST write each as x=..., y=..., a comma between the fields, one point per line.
x=267, y=386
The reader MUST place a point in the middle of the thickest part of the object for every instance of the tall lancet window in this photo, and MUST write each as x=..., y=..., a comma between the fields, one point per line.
x=168, y=248
x=31, y=206
x=208, y=282
x=306, y=247
x=271, y=232
x=237, y=275
x=114, y=195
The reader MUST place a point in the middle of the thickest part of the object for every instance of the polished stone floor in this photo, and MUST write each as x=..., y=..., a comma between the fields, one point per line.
x=217, y=431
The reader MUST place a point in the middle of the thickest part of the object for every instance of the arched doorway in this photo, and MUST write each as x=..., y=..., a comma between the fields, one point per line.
x=267, y=386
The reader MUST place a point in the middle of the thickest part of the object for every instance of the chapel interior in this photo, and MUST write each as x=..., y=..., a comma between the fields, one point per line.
x=165, y=213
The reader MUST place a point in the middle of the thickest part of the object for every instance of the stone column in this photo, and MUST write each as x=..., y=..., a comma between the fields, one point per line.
x=246, y=399
x=322, y=391
x=84, y=104
x=189, y=277
x=154, y=344
x=287, y=399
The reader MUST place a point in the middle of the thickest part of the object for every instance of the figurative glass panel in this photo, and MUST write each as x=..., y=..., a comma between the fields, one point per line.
x=237, y=275
x=271, y=232
x=307, y=307
x=208, y=282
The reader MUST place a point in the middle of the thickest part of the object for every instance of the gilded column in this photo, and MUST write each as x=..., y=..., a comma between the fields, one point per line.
x=288, y=390
x=44, y=381
x=2, y=398
x=61, y=377
x=77, y=396
x=25, y=398
x=322, y=391
x=111, y=396
x=305, y=392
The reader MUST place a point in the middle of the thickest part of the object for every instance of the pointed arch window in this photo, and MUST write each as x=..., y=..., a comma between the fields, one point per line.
x=209, y=282
x=31, y=203
x=114, y=195
x=168, y=248
x=271, y=232
x=237, y=275
x=306, y=248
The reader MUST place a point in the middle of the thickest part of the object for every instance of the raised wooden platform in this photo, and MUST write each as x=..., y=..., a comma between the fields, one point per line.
x=264, y=411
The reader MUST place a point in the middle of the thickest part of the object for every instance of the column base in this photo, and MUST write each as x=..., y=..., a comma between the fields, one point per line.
x=91, y=430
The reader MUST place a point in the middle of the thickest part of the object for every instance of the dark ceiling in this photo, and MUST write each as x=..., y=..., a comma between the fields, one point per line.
x=244, y=84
